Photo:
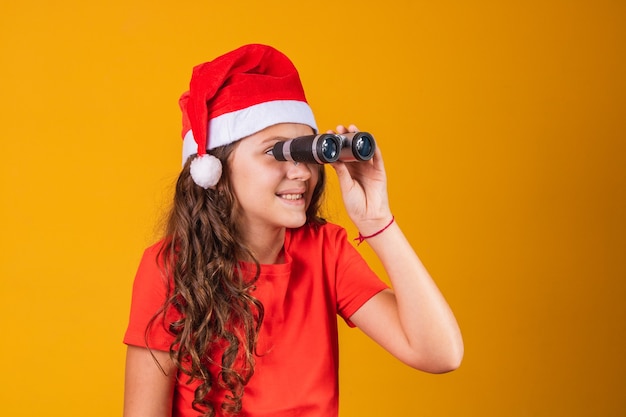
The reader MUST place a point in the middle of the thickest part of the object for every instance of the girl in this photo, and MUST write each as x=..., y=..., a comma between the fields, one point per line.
x=234, y=311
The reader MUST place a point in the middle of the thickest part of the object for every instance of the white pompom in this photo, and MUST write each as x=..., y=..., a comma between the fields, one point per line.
x=206, y=170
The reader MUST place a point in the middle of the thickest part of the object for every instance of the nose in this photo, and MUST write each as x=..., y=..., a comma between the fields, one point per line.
x=298, y=171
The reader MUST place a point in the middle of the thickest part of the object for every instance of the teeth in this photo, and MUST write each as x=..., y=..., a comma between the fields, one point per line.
x=291, y=196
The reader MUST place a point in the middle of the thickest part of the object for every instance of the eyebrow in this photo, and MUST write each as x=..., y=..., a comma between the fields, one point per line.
x=273, y=139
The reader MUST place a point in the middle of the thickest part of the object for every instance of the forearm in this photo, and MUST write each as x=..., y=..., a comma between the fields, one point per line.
x=425, y=317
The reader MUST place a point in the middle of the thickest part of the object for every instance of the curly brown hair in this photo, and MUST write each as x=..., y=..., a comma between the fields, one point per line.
x=218, y=313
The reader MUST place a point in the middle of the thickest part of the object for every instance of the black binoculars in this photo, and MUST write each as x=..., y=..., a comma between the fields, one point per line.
x=326, y=148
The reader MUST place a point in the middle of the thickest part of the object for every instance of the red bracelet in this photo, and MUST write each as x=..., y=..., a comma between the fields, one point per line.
x=360, y=238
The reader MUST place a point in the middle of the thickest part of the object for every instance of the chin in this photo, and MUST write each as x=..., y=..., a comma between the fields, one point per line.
x=295, y=223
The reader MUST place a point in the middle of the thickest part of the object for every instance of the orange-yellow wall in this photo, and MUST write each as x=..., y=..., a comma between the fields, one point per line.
x=504, y=135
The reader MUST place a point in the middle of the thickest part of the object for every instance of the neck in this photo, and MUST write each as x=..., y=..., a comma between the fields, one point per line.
x=267, y=245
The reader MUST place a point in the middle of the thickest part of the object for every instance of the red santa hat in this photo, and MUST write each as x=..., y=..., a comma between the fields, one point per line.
x=234, y=96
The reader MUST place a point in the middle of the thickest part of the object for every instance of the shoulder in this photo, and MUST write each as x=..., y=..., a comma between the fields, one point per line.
x=155, y=248
x=328, y=240
x=155, y=253
x=152, y=269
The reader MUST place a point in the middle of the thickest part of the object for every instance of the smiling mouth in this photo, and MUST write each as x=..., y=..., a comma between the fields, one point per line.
x=291, y=196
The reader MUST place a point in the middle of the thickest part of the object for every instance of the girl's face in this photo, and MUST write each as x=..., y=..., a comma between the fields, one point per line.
x=271, y=193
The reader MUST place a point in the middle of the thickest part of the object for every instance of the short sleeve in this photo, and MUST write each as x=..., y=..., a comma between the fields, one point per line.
x=148, y=297
x=356, y=283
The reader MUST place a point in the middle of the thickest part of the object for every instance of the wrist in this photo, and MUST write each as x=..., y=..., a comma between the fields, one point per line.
x=361, y=237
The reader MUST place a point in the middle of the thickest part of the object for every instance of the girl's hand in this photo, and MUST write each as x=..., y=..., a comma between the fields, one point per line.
x=364, y=189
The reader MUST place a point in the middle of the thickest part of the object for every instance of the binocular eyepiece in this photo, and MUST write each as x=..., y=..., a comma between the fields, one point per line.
x=326, y=148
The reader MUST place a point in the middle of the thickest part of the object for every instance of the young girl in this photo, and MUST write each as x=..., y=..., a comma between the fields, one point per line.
x=235, y=311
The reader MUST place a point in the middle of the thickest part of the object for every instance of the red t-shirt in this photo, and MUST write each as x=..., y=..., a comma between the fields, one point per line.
x=296, y=370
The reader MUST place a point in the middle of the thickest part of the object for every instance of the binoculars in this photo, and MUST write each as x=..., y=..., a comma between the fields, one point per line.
x=326, y=148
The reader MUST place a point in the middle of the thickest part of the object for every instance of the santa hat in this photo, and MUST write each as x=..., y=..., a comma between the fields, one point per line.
x=234, y=96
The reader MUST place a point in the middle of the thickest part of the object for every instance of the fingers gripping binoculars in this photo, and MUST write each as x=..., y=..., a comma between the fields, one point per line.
x=326, y=148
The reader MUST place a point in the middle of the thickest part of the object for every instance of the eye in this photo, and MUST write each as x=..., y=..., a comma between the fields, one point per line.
x=270, y=152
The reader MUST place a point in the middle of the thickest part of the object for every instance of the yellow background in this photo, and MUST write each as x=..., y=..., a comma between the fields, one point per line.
x=503, y=130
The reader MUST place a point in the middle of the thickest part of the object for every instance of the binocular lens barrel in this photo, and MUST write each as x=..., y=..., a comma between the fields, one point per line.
x=326, y=148
x=357, y=146
x=312, y=149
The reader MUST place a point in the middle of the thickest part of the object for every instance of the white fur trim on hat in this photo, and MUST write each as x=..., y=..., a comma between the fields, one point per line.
x=231, y=127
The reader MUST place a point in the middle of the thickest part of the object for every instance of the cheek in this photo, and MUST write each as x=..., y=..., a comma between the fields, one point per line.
x=253, y=179
x=241, y=184
x=315, y=177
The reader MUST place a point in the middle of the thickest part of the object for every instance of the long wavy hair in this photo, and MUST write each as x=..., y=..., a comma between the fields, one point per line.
x=218, y=313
